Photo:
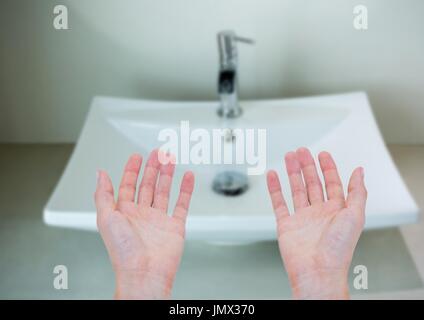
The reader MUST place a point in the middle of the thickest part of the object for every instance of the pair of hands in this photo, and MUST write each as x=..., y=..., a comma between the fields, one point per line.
x=317, y=242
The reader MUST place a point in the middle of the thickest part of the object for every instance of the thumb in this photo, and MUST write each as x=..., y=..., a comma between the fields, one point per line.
x=357, y=193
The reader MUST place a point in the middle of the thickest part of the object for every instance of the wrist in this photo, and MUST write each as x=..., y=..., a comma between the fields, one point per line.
x=320, y=285
x=139, y=285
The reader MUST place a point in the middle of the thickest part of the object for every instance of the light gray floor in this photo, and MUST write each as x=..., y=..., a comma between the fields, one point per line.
x=29, y=250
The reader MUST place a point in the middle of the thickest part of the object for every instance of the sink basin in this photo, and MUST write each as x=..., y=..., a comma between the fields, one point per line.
x=342, y=124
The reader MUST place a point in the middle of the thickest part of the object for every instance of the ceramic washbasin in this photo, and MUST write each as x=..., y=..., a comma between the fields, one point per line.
x=341, y=124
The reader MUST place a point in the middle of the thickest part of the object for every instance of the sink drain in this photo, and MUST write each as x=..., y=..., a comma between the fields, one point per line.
x=230, y=183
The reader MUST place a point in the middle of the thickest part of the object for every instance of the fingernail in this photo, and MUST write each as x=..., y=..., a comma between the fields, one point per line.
x=98, y=176
x=362, y=173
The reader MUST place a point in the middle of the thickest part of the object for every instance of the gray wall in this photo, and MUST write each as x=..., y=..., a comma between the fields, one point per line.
x=167, y=50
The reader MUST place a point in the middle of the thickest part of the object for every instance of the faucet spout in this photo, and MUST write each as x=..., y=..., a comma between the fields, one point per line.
x=227, y=89
x=228, y=77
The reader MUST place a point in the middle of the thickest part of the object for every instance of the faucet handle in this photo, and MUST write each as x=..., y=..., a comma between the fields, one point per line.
x=229, y=37
x=244, y=40
x=228, y=49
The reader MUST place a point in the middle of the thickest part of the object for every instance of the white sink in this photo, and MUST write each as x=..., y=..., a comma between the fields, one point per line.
x=342, y=124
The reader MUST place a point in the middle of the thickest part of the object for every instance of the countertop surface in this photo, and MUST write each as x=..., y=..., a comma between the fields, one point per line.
x=30, y=250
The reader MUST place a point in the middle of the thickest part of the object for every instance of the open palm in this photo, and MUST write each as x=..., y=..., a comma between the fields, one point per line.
x=317, y=242
x=144, y=243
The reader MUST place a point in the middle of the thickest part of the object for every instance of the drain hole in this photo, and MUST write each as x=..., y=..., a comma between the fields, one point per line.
x=230, y=183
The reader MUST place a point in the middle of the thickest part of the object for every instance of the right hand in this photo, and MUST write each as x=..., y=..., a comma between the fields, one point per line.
x=317, y=242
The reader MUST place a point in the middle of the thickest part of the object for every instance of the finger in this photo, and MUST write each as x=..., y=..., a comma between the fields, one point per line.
x=161, y=197
x=310, y=175
x=183, y=202
x=149, y=180
x=104, y=197
x=300, y=197
x=128, y=184
x=357, y=193
x=333, y=184
x=278, y=203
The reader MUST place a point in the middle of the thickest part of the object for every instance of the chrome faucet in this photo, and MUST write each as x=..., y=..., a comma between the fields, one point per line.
x=227, y=79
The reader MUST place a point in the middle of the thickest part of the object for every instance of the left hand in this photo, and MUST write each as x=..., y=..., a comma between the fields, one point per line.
x=144, y=243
